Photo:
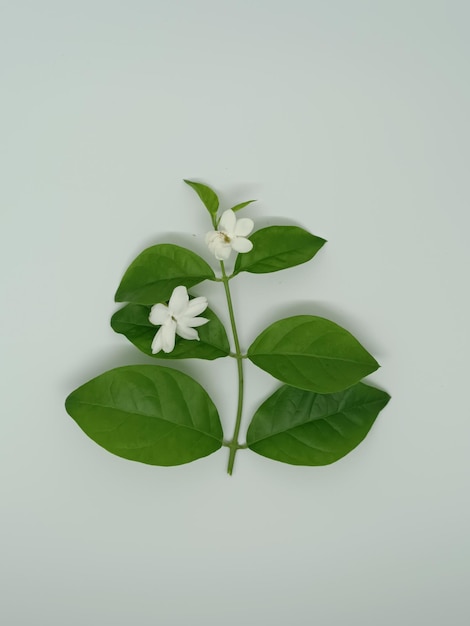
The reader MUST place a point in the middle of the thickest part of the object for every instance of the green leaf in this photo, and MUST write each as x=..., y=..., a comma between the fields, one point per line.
x=207, y=195
x=133, y=322
x=306, y=428
x=311, y=353
x=149, y=414
x=154, y=274
x=242, y=205
x=277, y=248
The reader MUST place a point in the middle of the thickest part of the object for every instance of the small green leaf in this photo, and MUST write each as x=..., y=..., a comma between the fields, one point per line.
x=133, y=322
x=305, y=428
x=153, y=275
x=148, y=413
x=207, y=195
x=277, y=248
x=242, y=205
x=311, y=353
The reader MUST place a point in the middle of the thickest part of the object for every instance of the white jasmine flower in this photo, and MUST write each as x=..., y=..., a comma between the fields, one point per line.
x=178, y=318
x=231, y=235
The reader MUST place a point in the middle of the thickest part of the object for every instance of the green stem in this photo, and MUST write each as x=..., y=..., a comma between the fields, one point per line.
x=234, y=445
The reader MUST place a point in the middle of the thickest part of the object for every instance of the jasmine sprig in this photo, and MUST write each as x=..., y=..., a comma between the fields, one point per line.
x=230, y=235
x=160, y=416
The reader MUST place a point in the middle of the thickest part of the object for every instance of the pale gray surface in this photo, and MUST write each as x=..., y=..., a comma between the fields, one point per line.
x=350, y=118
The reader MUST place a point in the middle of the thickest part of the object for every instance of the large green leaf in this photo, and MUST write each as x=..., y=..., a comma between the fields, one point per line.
x=153, y=275
x=306, y=428
x=207, y=195
x=311, y=353
x=277, y=248
x=148, y=413
x=133, y=322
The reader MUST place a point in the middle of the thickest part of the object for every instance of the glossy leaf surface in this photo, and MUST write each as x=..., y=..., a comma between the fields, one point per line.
x=306, y=428
x=277, y=248
x=207, y=195
x=311, y=353
x=133, y=322
x=148, y=413
x=154, y=274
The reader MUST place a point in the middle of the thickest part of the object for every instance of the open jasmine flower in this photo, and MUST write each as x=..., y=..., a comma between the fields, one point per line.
x=178, y=318
x=231, y=235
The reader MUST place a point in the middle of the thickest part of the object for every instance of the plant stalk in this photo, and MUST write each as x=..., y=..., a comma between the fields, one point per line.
x=233, y=444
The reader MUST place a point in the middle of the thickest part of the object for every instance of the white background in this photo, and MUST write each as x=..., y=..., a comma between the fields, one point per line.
x=349, y=118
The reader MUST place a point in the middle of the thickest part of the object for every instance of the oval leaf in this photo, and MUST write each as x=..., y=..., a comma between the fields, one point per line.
x=277, y=248
x=149, y=414
x=311, y=353
x=154, y=274
x=133, y=322
x=306, y=428
x=207, y=195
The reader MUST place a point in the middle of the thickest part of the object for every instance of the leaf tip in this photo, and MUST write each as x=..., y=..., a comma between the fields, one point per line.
x=112, y=321
x=118, y=296
x=68, y=402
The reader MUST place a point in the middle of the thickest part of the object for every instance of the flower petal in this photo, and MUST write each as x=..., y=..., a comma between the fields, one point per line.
x=244, y=227
x=157, y=342
x=214, y=240
x=192, y=321
x=158, y=314
x=228, y=222
x=211, y=236
x=222, y=251
x=178, y=301
x=186, y=332
x=240, y=244
x=168, y=335
x=196, y=306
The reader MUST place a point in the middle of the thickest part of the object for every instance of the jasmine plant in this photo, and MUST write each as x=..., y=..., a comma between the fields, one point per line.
x=160, y=416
